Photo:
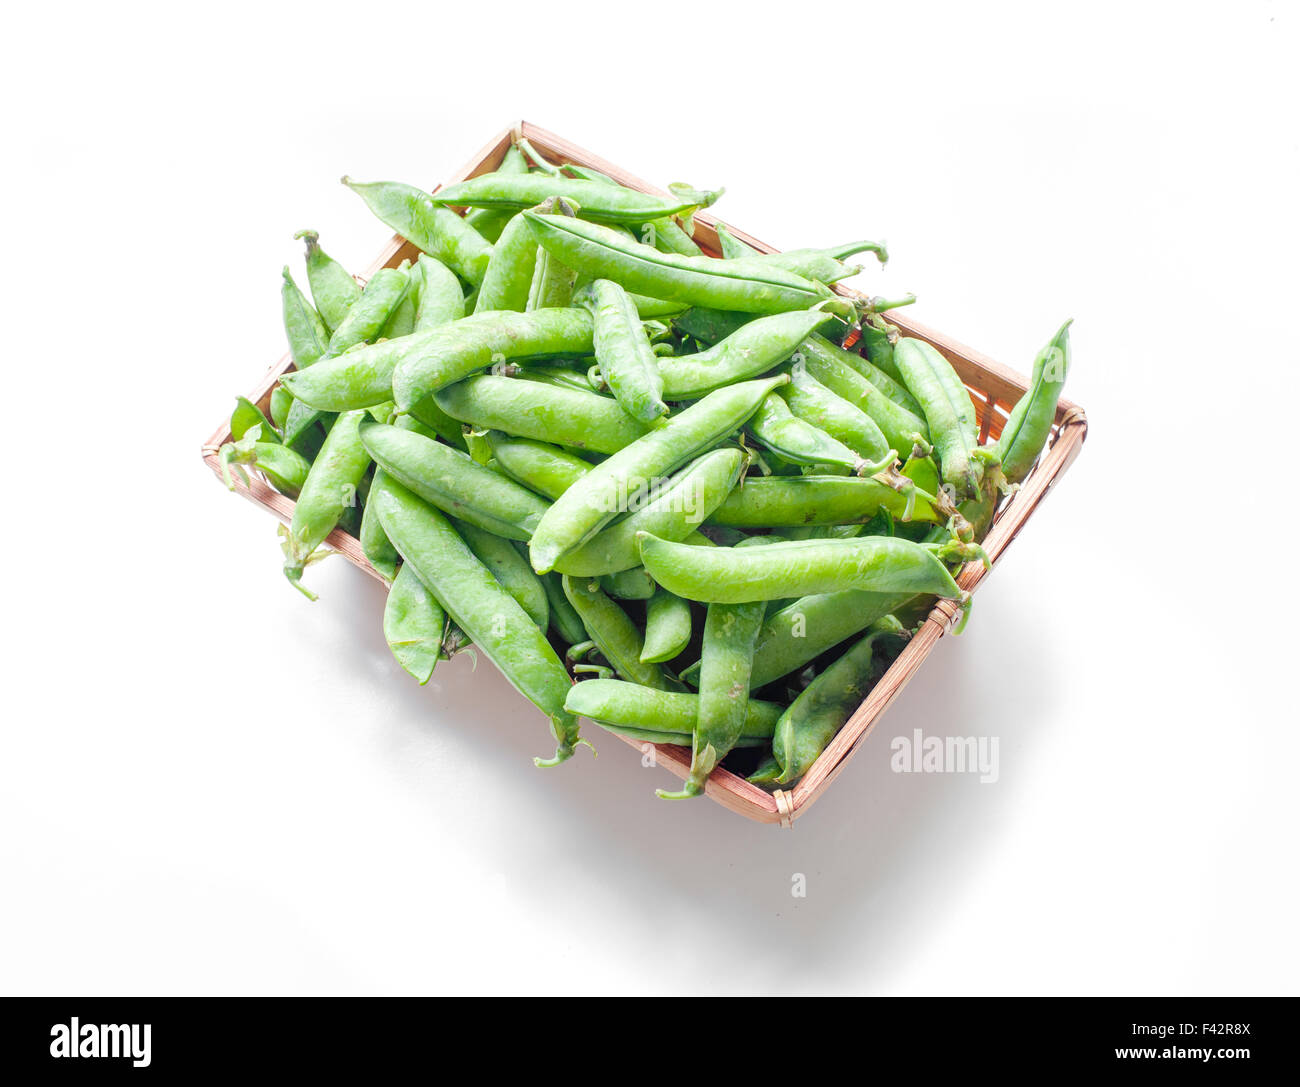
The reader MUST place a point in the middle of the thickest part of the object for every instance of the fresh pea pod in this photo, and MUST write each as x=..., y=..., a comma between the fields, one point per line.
x=1030, y=423
x=478, y=604
x=594, y=199
x=401, y=322
x=427, y=225
x=730, y=632
x=878, y=340
x=509, y=274
x=949, y=413
x=332, y=287
x=730, y=575
x=611, y=486
x=511, y=569
x=281, y=402
x=823, y=265
x=368, y=315
x=595, y=250
x=732, y=247
x=565, y=621
x=660, y=717
x=613, y=631
x=490, y=222
x=285, y=469
x=627, y=361
x=441, y=298
x=414, y=624
x=826, y=704
x=579, y=420
x=330, y=489
x=753, y=349
x=789, y=501
x=797, y=440
x=546, y=469
x=453, y=482
x=553, y=282
x=667, y=627
x=674, y=512
x=813, y=402
x=375, y=545
x=824, y=362
x=633, y=584
x=248, y=415
x=894, y=390
x=303, y=328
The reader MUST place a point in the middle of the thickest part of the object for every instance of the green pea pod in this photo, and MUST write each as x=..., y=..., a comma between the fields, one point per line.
x=613, y=631
x=894, y=390
x=797, y=440
x=579, y=420
x=825, y=704
x=813, y=402
x=380, y=553
x=730, y=633
x=594, y=199
x=283, y=468
x=332, y=287
x=281, y=402
x=614, y=484
x=824, y=362
x=477, y=603
x=490, y=222
x=878, y=339
x=595, y=250
x=368, y=315
x=732, y=247
x=949, y=413
x=433, y=418
x=427, y=225
x=510, y=568
x=730, y=575
x=453, y=482
x=1030, y=423
x=634, y=584
x=660, y=717
x=627, y=361
x=303, y=328
x=824, y=265
x=248, y=415
x=667, y=627
x=414, y=625
x=673, y=512
x=441, y=298
x=789, y=501
x=546, y=469
x=558, y=376
x=552, y=283
x=668, y=236
x=401, y=322
x=565, y=621
x=330, y=489
x=409, y=369
x=509, y=274
x=753, y=349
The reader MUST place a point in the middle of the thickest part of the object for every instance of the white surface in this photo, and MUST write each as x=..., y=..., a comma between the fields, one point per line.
x=211, y=785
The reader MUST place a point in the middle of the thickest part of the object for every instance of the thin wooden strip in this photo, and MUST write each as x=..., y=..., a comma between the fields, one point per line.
x=731, y=791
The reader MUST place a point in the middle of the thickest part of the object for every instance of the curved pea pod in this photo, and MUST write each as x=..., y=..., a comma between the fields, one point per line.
x=813, y=402
x=673, y=512
x=401, y=321
x=579, y=420
x=613, y=631
x=477, y=603
x=667, y=627
x=375, y=545
x=730, y=632
x=509, y=275
x=732, y=247
x=660, y=717
x=490, y=222
x=1030, y=423
x=797, y=440
x=329, y=489
x=878, y=339
x=303, y=328
x=600, y=252
x=441, y=298
x=446, y=355
x=552, y=283
x=614, y=484
x=894, y=390
x=825, y=362
x=754, y=348
x=595, y=199
x=281, y=402
x=332, y=287
x=627, y=361
x=824, y=265
x=668, y=236
x=731, y=575
x=453, y=482
x=789, y=501
x=546, y=469
x=949, y=413
x=438, y=423
x=414, y=625
x=368, y=315
x=511, y=569
x=559, y=376
x=825, y=704
x=285, y=469
x=634, y=584
x=427, y=225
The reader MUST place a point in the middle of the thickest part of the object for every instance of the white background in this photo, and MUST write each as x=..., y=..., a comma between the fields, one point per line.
x=211, y=785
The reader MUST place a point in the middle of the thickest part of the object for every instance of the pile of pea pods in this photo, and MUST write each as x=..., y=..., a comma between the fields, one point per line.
x=696, y=500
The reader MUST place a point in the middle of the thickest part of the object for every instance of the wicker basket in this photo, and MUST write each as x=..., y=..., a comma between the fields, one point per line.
x=993, y=388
